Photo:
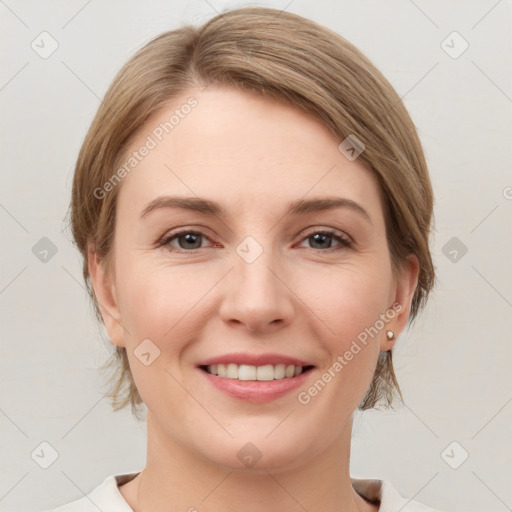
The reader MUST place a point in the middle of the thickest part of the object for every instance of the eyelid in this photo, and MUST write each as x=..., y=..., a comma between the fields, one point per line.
x=330, y=231
x=344, y=239
x=166, y=238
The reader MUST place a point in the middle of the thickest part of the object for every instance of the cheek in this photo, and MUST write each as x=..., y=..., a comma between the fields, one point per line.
x=350, y=303
x=159, y=302
x=347, y=299
x=349, y=331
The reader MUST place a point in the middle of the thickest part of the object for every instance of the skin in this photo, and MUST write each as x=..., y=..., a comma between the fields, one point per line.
x=301, y=298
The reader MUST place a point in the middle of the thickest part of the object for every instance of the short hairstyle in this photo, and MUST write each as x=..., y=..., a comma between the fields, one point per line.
x=282, y=56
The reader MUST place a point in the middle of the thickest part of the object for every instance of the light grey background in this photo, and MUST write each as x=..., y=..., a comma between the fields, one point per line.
x=453, y=365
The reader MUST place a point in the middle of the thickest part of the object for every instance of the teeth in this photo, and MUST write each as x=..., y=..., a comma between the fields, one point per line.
x=247, y=372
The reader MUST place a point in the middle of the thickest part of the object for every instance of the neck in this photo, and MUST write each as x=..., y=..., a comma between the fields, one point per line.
x=177, y=478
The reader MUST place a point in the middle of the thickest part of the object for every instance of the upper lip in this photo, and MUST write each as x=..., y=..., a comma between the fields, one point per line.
x=254, y=360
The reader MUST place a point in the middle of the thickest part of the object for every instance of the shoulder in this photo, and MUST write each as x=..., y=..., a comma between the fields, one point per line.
x=105, y=496
x=392, y=501
x=383, y=492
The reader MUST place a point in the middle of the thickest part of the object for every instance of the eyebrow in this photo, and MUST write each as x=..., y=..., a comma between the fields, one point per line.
x=212, y=208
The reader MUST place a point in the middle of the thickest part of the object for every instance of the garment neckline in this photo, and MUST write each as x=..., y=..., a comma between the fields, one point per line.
x=369, y=489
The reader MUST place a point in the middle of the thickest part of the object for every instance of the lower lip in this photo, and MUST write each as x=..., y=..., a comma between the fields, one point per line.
x=256, y=391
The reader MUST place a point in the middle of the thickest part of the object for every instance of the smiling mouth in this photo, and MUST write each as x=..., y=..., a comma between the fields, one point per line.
x=246, y=372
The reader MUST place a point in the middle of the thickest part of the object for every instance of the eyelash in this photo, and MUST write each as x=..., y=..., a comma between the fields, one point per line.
x=343, y=240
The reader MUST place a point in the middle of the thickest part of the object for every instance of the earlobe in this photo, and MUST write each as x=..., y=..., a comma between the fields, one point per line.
x=404, y=293
x=105, y=293
x=389, y=340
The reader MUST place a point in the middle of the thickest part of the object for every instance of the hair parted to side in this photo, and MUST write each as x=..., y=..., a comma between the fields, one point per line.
x=282, y=56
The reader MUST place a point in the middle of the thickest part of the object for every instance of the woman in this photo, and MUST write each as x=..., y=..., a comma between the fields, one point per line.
x=253, y=208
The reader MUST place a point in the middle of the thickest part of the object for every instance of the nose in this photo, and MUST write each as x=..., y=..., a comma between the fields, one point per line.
x=257, y=295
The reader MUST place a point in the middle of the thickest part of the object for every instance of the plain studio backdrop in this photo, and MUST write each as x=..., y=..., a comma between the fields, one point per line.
x=449, y=445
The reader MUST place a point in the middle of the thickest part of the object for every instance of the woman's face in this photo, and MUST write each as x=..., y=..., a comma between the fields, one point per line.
x=254, y=282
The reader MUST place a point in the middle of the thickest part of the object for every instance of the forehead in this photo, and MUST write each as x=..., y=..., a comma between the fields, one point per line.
x=240, y=149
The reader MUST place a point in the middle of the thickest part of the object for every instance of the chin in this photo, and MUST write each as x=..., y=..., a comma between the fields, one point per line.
x=259, y=455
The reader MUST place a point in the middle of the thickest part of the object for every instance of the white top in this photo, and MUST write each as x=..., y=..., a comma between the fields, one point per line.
x=107, y=497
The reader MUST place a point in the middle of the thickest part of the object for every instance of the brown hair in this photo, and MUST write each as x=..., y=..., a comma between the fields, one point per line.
x=283, y=56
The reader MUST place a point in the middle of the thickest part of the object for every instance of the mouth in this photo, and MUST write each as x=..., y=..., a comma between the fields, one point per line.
x=245, y=372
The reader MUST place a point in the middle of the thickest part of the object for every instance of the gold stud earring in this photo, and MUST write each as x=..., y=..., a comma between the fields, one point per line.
x=390, y=335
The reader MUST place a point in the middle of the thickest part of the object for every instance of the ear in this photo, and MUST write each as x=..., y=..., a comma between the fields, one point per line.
x=103, y=283
x=401, y=298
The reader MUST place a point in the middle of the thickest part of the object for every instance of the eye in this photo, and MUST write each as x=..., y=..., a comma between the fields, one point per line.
x=187, y=240
x=323, y=237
